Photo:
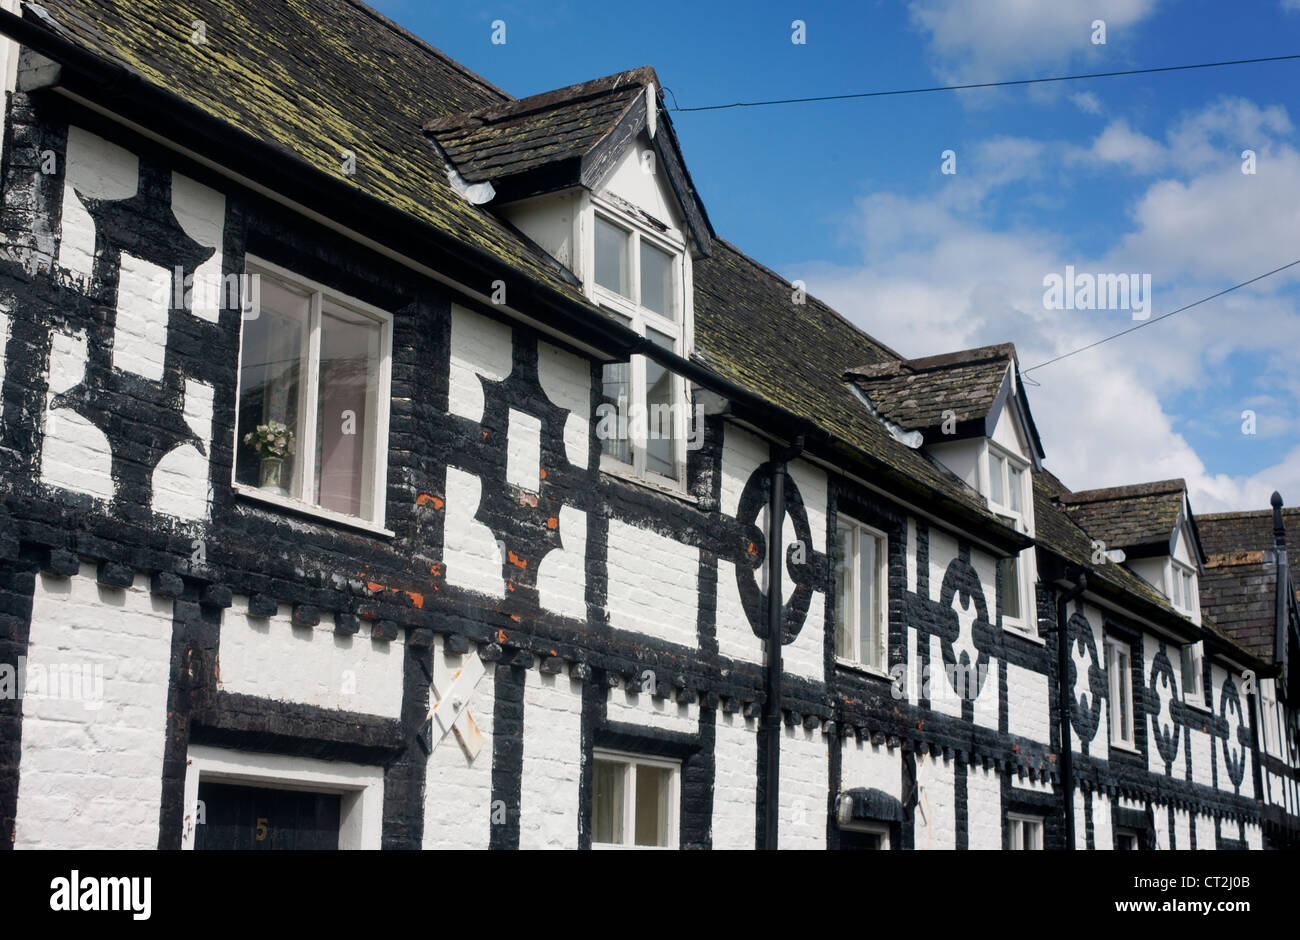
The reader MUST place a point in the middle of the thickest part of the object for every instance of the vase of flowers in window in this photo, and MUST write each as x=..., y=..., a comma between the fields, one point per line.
x=272, y=442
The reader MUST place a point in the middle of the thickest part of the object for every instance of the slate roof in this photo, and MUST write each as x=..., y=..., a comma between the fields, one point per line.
x=915, y=393
x=1240, y=581
x=1060, y=533
x=504, y=139
x=315, y=78
x=1128, y=517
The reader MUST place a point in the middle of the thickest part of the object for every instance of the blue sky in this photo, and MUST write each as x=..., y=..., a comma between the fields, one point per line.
x=1134, y=174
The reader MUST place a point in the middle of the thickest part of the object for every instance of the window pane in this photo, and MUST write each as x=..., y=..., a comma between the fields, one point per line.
x=1011, y=587
x=868, y=591
x=657, y=280
x=1189, y=593
x=607, y=802
x=347, y=412
x=661, y=446
x=844, y=593
x=995, y=478
x=653, y=786
x=1013, y=494
x=273, y=363
x=1178, y=588
x=1123, y=678
x=611, y=257
x=1189, y=669
x=612, y=414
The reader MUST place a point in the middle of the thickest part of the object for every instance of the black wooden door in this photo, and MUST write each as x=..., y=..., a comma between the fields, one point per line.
x=240, y=817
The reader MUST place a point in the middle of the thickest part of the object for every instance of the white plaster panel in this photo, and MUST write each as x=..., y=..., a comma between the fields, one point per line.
x=742, y=454
x=804, y=782
x=562, y=572
x=566, y=380
x=653, y=584
x=735, y=758
x=458, y=789
x=736, y=639
x=1028, y=704
x=479, y=346
x=97, y=169
x=75, y=454
x=181, y=486
x=201, y=212
x=91, y=767
x=552, y=766
x=273, y=658
x=524, y=451
x=936, y=811
x=646, y=710
x=984, y=809
x=470, y=551
x=872, y=766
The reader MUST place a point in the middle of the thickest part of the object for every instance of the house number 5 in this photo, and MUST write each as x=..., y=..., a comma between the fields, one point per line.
x=261, y=829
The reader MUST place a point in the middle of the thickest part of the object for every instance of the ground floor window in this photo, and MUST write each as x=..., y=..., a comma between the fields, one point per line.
x=634, y=800
x=252, y=818
x=1128, y=840
x=1026, y=832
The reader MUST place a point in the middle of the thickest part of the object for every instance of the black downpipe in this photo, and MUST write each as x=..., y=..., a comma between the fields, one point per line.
x=775, y=640
x=1063, y=699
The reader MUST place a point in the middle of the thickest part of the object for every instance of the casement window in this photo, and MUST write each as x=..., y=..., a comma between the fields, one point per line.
x=1182, y=588
x=1008, y=484
x=312, y=428
x=1118, y=669
x=1268, y=717
x=1193, y=658
x=861, y=594
x=642, y=418
x=1017, y=595
x=1026, y=832
x=634, y=801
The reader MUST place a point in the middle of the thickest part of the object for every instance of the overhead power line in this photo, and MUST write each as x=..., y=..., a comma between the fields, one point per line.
x=1163, y=316
x=1004, y=84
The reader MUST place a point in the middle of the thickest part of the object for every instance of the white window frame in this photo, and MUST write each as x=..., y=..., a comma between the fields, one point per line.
x=308, y=394
x=1027, y=622
x=360, y=786
x=1115, y=675
x=629, y=761
x=1022, y=516
x=1181, y=578
x=1193, y=694
x=1021, y=825
x=642, y=319
x=1268, y=717
x=859, y=530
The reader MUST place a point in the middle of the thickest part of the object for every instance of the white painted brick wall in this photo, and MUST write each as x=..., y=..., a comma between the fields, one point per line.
x=201, y=212
x=1028, y=705
x=470, y=551
x=736, y=638
x=562, y=572
x=98, y=170
x=735, y=760
x=479, y=346
x=804, y=787
x=75, y=454
x=650, y=712
x=984, y=808
x=876, y=767
x=742, y=454
x=1205, y=832
x=92, y=777
x=181, y=483
x=936, y=812
x=457, y=790
x=653, y=584
x=548, y=799
x=566, y=380
x=272, y=658
x=140, y=325
x=1103, y=834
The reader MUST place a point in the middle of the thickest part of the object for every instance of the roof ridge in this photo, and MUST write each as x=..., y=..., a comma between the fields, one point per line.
x=771, y=273
x=405, y=33
x=542, y=100
x=1126, y=491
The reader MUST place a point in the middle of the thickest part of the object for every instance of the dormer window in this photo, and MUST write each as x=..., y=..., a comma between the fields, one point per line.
x=1007, y=478
x=1182, y=588
x=637, y=276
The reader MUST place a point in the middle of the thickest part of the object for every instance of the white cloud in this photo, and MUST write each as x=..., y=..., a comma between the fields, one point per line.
x=1119, y=144
x=1089, y=103
x=999, y=39
x=938, y=275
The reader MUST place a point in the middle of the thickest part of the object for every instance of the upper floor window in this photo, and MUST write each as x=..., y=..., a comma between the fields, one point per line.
x=312, y=426
x=1017, y=603
x=1007, y=484
x=1193, y=655
x=861, y=594
x=638, y=276
x=1182, y=587
x=1119, y=671
x=634, y=800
